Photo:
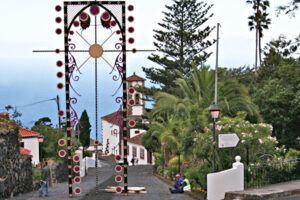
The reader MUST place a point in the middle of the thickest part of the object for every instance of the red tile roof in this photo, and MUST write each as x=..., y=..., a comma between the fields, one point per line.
x=134, y=77
x=136, y=139
x=24, y=133
x=24, y=151
x=113, y=118
x=4, y=115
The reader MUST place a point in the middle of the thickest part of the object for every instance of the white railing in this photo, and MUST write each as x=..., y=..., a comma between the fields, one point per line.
x=226, y=181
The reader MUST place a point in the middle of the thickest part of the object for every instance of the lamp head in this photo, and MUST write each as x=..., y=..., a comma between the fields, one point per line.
x=214, y=111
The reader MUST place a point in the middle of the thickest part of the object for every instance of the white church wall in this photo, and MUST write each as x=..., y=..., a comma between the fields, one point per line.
x=110, y=133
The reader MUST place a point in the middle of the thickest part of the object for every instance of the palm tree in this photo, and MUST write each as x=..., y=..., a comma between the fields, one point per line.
x=259, y=21
x=197, y=93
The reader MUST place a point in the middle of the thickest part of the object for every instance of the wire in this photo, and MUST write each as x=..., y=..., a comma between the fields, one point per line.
x=31, y=104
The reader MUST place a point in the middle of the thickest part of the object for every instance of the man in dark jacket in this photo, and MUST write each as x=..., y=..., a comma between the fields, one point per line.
x=45, y=180
x=178, y=186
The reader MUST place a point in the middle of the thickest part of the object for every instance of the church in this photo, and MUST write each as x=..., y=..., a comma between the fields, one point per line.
x=112, y=141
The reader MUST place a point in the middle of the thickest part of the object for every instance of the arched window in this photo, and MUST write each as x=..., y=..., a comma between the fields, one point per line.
x=137, y=99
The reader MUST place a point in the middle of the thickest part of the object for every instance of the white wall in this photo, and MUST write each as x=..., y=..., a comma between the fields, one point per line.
x=138, y=149
x=113, y=136
x=226, y=181
x=137, y=110
x=33, y=145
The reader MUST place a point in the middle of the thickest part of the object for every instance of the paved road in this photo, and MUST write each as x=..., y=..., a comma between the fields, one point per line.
x=294, y=197
x=60, y=191
x=140, y=176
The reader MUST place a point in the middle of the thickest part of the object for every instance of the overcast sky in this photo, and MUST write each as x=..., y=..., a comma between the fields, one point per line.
x=26, y=77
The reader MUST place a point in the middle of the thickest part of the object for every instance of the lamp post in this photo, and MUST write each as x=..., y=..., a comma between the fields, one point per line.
x=214, y=112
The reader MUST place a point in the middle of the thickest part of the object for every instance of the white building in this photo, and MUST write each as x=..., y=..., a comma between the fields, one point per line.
x=110, y=134
x=138, y=151
x=112, y=140
x=30, y=141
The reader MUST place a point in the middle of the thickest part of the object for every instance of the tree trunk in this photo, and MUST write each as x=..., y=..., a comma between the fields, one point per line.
x=256, y=47
x=179, y=171
x=166, y=155
x=259, y=49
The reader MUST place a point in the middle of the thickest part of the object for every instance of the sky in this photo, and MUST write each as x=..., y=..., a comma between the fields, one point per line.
x=27, y=77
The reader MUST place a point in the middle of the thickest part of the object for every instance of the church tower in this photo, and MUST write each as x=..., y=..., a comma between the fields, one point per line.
x=136, y=101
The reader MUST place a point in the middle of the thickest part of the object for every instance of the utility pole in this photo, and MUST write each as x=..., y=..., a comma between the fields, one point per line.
x=58, y=109
x=217, y=65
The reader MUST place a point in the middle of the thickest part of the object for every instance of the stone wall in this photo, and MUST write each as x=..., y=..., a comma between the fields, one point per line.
x=15, y=169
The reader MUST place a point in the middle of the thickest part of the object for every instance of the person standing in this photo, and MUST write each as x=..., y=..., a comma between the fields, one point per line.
x=45, y=180
x=132, y=161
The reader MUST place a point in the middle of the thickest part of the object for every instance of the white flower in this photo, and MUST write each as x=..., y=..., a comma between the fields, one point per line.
x=260, y=141
x=219, y=127
x=243, y=141
x=262, y=124
x=277, y=148
x=284, y=150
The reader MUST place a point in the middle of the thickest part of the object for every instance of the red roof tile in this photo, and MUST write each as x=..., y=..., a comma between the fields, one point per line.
x=24, y=151
x=134, y=77
x=136, y=139
x=113, y=118
x=4, y=115
x=24, y=133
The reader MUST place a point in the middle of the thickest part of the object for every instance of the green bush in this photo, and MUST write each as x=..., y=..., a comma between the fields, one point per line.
x=87, y=154
x=36, y=174
x=197, y=174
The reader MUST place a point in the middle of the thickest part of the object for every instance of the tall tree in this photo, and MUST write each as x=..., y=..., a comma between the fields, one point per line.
x=258, y=22
x=289, y=8
x=181, y=42
x=84, y=128
x=278, y=80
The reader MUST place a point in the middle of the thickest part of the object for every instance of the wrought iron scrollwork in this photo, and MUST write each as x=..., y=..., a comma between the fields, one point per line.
x=73, y=68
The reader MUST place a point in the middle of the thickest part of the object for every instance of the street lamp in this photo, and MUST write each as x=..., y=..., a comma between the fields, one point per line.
x=214, y=112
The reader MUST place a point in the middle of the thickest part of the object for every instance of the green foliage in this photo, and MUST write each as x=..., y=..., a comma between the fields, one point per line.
x=281, y=47
x=259, y=20
x=197, y=174
x=49, y=148
x=255, y=144
x=281, y=108
x=289, y=8
x=292, y=154
x=196, y=94
x=46, y=121
x=87, y=154
x=84, y=129
x=182, y=42
x=36, y=174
